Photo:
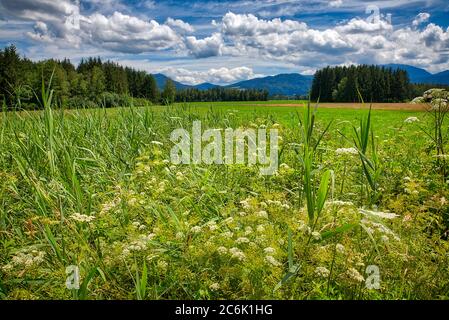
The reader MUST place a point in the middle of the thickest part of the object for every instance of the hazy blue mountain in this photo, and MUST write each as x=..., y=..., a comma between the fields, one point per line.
x=413, y=72
x=439, y=78
x=418, y=75
x=282, y=84
x=206, y=86
x=162, y=79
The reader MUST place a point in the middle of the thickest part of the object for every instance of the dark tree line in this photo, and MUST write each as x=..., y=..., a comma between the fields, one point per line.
x=221, y=94
x=94, y=83
x=375, y=84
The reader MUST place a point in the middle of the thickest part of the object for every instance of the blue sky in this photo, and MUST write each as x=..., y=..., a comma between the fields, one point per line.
x=228, y=41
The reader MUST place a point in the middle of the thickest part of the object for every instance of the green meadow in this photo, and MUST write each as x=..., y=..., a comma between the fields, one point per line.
x=358, y=208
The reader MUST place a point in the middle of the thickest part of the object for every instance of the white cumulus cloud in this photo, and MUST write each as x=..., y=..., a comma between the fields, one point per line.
x=221, y=75
x=421, y=18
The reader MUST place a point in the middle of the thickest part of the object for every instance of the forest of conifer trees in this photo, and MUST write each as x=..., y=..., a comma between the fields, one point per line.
x=95, y=83
x=373, y=83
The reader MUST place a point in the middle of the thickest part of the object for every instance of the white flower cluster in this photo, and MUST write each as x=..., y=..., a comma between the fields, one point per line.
x=340, y=248
x=242, y=240
x=278, y=204
x=137, y=225
x=339, y=203
x=371, y=226
x=214, y=286
x=138, y=245
x=378, y=214
x=245, y=204
x=195, y=229
x=108, y=206
x=238, y=254
x=269, y=250
x=322, y=272
x=272, y=261
x=262, y=214
x=346, y=151
x=411, y=120
x=82, y=217
x=25, y=260
x=353, y=274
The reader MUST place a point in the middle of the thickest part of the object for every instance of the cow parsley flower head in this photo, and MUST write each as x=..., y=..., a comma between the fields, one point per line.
x=353, y=274
x=316, y=235
x=262, y=214
x=346, y=151
x=378, y=214
x=195, y=229
x=269, y=250
x=82, y=217
x=271, y=260
x=340, y=248
x=322, y=272
x=411, y=120
x=222, y=250
x=214, y=286
x=242, y=240
x=238, y=254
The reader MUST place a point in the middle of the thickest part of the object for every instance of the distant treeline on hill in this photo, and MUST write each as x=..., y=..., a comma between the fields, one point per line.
x=94, y=83
x=221, y=94
x=374, y=83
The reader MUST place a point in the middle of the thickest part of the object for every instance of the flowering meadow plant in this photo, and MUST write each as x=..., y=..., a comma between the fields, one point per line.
x=100, y=197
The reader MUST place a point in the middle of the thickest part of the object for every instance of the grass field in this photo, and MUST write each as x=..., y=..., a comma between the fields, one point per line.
x=344, y=218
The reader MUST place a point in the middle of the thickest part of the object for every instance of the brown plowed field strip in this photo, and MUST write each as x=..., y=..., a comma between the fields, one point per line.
x=375, y=106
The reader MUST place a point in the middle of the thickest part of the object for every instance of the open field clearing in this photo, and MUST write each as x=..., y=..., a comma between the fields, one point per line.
x=301, y=103
x=341, y=219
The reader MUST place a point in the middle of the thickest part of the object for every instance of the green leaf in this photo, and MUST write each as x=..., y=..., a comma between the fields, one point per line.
x=344, y=228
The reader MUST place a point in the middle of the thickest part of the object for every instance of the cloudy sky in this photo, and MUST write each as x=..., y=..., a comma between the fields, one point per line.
x=224, y=41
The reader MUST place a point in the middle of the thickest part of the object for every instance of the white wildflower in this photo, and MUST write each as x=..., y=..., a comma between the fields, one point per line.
x=316, y=235
x=262, y=214
x=271, y=260
x=227, y=234
x=269, y=250
x=340, y=248
x=179, y=235
x=25, y=260
x=237, y=254
x=355, y=275
x=346, y=151
x=195, y=229
x=214, y=286
x=378, y=214
x=339, y=203
x=222, y=250
x=322, y=272
x=82, y=217
x=242, y=240
x=411, y=120
x=245, y=204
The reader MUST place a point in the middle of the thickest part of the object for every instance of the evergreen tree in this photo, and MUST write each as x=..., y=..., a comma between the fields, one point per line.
x=169, y=93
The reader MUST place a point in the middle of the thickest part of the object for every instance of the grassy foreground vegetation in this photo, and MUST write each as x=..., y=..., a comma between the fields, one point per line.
x=94, y=188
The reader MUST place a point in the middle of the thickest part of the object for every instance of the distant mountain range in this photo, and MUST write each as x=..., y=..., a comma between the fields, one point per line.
x=418, y=75
x=282, y=84
x=296, y=84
